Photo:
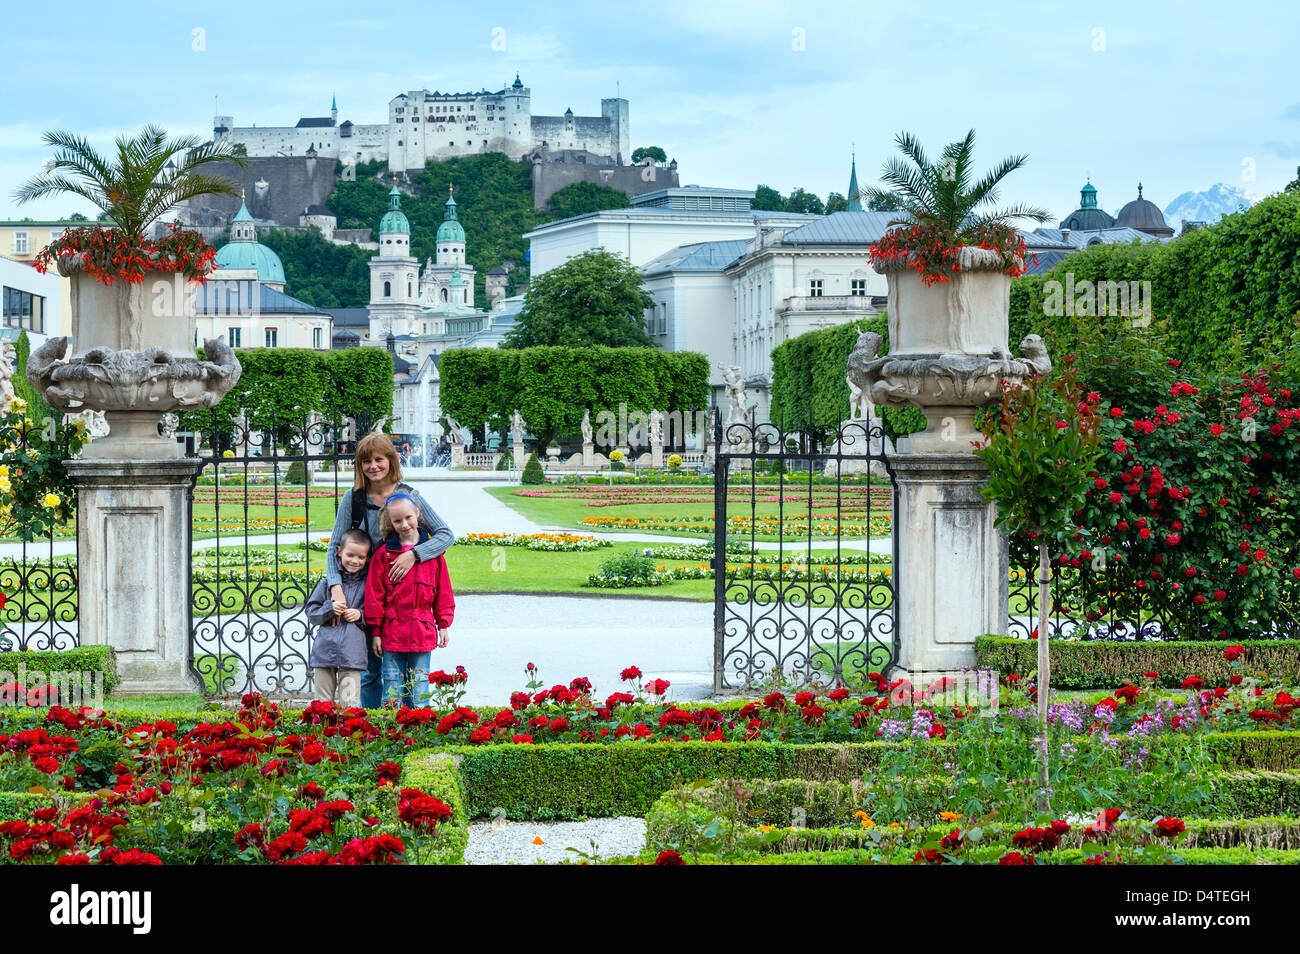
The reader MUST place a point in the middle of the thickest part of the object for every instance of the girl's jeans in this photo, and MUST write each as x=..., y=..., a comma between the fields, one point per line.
x=406, y=678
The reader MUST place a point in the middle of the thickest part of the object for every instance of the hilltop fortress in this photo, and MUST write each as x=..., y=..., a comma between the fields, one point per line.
x=423, y=125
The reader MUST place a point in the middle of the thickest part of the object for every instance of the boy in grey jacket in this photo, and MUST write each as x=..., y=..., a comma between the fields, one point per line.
x=338, y=656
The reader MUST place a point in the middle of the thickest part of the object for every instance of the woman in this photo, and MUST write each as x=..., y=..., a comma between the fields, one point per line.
x=378, y=477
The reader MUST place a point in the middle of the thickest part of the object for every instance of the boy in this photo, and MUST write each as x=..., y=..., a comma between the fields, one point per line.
x=338, y=656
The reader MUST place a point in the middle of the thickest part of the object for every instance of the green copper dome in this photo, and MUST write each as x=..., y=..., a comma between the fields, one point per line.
x=394, y=219
x=244, y=251
x=252, y=255
x=451, y=230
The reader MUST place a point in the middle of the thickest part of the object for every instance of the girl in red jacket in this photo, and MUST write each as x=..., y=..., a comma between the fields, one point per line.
x=411, y=617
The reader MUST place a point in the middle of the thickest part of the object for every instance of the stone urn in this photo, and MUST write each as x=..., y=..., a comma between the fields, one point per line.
x=131, y=355
x=948, y=351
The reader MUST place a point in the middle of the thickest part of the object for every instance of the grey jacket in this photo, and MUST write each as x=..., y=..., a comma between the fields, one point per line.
x=440, y=535
x=343, y=645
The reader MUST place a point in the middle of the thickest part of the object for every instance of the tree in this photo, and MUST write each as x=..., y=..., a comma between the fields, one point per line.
x=1042, y=451
x=583, y=197
x=78, y=217
x=595, y=298
x=767, y=199
x=649, y=152
x=805, y=202
x=942, y=197
x=836, y=203
x=138, y=187
x=883, y=203
x=1294, y=184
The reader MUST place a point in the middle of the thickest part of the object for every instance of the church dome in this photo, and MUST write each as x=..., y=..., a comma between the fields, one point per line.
x=252, y=255
x=1145, y=216
x=1087, y=217
x=394, y=219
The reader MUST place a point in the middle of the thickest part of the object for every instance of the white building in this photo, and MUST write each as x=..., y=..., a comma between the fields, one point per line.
x=658, y=222
x=31, y=302
x=423, y=125
x=243, y=300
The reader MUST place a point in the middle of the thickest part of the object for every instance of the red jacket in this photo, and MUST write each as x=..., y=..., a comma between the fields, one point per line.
x=408, y=614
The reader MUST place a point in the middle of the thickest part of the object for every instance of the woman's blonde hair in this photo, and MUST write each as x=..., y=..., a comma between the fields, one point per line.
x=369, y=446
x=385, y=524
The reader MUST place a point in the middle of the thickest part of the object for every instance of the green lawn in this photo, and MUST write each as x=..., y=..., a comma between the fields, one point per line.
x=570, y=512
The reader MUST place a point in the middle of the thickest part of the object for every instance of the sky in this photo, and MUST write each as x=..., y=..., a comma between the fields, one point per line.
x=1177, y=96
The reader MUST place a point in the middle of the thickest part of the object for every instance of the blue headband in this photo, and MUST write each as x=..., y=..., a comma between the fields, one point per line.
x=398, y=497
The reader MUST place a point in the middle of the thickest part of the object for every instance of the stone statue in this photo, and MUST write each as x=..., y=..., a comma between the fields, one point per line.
x=864, y=352
x=170, y=424
x=586, y=426
x=95, y=422
x=8, y=361
x=517, y=428
x=1033, y=352
x=738, y=412
x=454, y=435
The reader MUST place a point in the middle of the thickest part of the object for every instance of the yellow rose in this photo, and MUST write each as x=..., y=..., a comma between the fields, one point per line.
x=51, y=500
x=17, y=405
x=227, y=453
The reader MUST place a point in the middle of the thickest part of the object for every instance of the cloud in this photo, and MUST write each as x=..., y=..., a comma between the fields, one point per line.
x=1292, y=111
x=1287, y=150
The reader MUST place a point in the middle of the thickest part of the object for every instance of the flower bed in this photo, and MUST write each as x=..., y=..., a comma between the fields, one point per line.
x=554, y=542
x=848, y=524
x=615, y=496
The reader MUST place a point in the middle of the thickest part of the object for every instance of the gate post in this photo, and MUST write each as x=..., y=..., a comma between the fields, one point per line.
x=951, y=580
x=133, y=580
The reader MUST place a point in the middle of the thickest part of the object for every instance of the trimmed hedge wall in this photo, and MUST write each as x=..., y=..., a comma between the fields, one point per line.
x=435, y=774
x=831, y=804
x=1190, y=856
x=1105, y=665
x=663, y=829
x=81, y=659
x=572, y=781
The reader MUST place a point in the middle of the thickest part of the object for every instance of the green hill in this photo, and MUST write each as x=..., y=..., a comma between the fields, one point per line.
x=494, y=201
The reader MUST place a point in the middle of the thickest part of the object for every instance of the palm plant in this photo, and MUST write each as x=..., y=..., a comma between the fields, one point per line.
x=149, y=175
x=942, y=197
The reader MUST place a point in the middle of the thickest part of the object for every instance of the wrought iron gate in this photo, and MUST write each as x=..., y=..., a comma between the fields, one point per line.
x=782, y=610
x=38, y=575
x=251, y=578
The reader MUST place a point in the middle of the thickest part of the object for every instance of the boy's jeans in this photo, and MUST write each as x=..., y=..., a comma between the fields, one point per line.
x=406, y=678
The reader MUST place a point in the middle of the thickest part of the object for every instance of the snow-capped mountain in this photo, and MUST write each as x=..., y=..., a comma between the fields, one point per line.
x=1209, y=206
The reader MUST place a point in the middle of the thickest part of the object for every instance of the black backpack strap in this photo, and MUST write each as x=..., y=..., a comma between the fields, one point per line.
x=359, y=509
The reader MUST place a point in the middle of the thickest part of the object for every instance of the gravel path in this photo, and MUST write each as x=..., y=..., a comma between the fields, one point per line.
x=514, y=843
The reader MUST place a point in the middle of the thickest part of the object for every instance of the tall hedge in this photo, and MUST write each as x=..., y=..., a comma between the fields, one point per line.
x=808, y=379
x=1225, y=294
x=551, y=386
x=285, y=385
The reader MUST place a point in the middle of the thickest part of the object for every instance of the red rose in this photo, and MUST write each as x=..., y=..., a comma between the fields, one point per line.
x=669, y=858
x=1116, y=412
x=1233, y=653
x=1168, y=827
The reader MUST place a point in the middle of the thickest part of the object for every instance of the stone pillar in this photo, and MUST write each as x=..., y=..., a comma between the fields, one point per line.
x=951, y=579
x=588, y=454
x=520, y=455
x=133, y=568
x=457, y=455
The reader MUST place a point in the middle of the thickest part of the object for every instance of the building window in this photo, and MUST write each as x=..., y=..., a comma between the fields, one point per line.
x=272, y=338
x=815, y=288
x=233, y=337
x=388, y=289
x=858, y=286
x=24, y=310
x=20, y=243
x=317, y=339
x=663, y=319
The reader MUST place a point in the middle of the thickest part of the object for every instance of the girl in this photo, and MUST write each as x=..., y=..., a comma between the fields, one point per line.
x=411, y=616
x=379, y=476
